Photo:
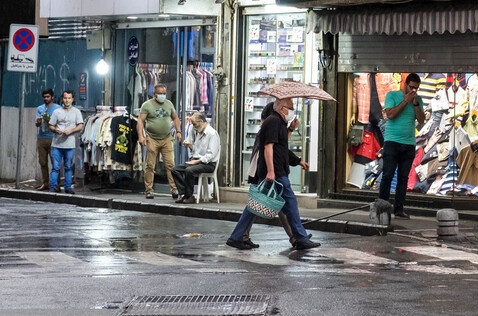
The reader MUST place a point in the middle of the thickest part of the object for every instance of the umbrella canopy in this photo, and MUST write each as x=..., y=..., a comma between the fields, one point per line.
x=292, y=89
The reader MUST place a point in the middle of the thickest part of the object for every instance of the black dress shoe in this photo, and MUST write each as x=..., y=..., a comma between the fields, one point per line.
x=293, y=242
x=181, y=199
x=190, y=200
x=55, y=190
x=402, y=215
x=239, y=244
x=306, y=245
x=250, y=243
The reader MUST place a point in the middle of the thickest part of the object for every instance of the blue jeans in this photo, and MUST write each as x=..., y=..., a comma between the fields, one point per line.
x=401, y=156
x=290, y=209
x=57, y=154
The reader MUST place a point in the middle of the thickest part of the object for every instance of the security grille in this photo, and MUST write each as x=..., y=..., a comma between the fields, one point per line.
x=198, y=305
x=71, y=29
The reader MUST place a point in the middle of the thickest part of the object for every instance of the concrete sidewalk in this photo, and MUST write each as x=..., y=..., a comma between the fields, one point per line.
x=344, y=217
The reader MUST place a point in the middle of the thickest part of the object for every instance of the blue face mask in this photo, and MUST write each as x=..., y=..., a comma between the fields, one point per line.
x=160, y=98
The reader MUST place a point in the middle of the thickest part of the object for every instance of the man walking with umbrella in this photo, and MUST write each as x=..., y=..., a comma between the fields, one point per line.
x=273, y=164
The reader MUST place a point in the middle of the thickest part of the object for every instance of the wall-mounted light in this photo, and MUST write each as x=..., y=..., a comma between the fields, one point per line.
x=181, y=2
x=326, y=56
x=102, y=67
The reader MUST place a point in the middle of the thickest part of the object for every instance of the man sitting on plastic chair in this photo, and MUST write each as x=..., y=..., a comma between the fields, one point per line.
x=204, y=156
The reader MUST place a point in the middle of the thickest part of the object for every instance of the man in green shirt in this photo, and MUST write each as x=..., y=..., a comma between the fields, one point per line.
x=155, y=121
x=402, y=107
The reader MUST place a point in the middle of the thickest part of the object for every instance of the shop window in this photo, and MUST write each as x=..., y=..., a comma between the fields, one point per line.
x=446, y=160
x=274, y=52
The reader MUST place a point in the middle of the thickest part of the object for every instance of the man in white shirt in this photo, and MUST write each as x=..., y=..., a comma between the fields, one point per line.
x=204, y=156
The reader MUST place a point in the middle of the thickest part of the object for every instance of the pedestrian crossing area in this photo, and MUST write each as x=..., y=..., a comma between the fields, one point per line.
x=336, y=260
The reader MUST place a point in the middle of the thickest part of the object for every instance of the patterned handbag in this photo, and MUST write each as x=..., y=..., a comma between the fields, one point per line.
x=264, y=202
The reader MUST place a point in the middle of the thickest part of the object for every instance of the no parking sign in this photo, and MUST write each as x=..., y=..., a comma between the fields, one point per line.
x=23, y=48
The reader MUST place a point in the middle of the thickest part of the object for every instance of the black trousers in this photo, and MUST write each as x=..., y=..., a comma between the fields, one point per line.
x=396, y=156
x=184, y=174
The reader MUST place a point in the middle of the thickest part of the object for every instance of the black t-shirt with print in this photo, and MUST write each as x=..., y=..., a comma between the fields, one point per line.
x=125, y=138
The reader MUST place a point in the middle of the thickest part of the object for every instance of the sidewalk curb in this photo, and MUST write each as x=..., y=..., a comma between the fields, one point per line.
x=190, y=210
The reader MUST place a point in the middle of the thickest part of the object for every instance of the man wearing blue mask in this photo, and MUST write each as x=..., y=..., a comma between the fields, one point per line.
x=154, y=132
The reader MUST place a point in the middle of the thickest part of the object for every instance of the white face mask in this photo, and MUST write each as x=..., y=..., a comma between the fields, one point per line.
x=161, y=98
x=290, y=115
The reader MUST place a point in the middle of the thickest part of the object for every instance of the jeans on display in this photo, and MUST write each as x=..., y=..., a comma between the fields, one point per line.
x=57, y=154
x=401, y=156
x=290, y=209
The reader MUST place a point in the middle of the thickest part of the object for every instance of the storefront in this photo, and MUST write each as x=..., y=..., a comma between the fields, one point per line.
x=376, y=48
x=168, y=42
x=275, y=48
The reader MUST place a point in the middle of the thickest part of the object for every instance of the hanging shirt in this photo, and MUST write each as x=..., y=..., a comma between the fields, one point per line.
x=472, y=92
x=125, y=137
x=467, y=161
x=430, y=84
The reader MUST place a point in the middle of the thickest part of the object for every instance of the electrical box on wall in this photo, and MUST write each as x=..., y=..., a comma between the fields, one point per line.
x=95, y=39
x=191, y=7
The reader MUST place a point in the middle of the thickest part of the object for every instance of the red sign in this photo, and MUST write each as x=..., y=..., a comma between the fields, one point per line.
x=23, y=39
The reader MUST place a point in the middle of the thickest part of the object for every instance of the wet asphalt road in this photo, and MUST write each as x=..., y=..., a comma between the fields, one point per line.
x=58, y=259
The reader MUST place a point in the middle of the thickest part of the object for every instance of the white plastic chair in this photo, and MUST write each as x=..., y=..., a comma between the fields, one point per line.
x=203, y=184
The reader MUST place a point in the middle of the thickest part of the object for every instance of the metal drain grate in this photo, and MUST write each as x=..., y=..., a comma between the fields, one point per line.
x=198, y=305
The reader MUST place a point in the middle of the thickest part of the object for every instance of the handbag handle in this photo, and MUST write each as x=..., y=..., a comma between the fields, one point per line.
x=271, y=189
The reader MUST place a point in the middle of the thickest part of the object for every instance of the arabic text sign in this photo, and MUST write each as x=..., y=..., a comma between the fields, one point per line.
x=133, y=50
x=23, y=48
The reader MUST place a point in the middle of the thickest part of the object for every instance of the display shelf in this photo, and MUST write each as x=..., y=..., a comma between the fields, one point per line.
x=275, y=47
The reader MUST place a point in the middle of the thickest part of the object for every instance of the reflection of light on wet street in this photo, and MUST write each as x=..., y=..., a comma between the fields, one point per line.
x=158, y=258
x=192, y=235
x=443, y=253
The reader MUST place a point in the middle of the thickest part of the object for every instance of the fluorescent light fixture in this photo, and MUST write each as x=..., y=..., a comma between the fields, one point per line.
x=132, y=17
x=163, y=15
x=102, y=67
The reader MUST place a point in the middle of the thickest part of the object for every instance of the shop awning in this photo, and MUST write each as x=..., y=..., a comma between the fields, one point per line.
x=413, y=18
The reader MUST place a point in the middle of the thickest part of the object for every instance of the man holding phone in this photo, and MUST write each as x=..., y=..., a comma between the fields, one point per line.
x=402, y=107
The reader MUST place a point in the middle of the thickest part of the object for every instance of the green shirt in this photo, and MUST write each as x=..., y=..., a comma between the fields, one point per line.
x=158, y=118
x=402, y=128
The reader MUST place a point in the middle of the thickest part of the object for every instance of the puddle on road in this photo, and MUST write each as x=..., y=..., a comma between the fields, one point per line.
x=311, y=257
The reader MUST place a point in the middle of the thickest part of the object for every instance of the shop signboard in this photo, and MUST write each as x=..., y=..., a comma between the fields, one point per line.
x=133, y=50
